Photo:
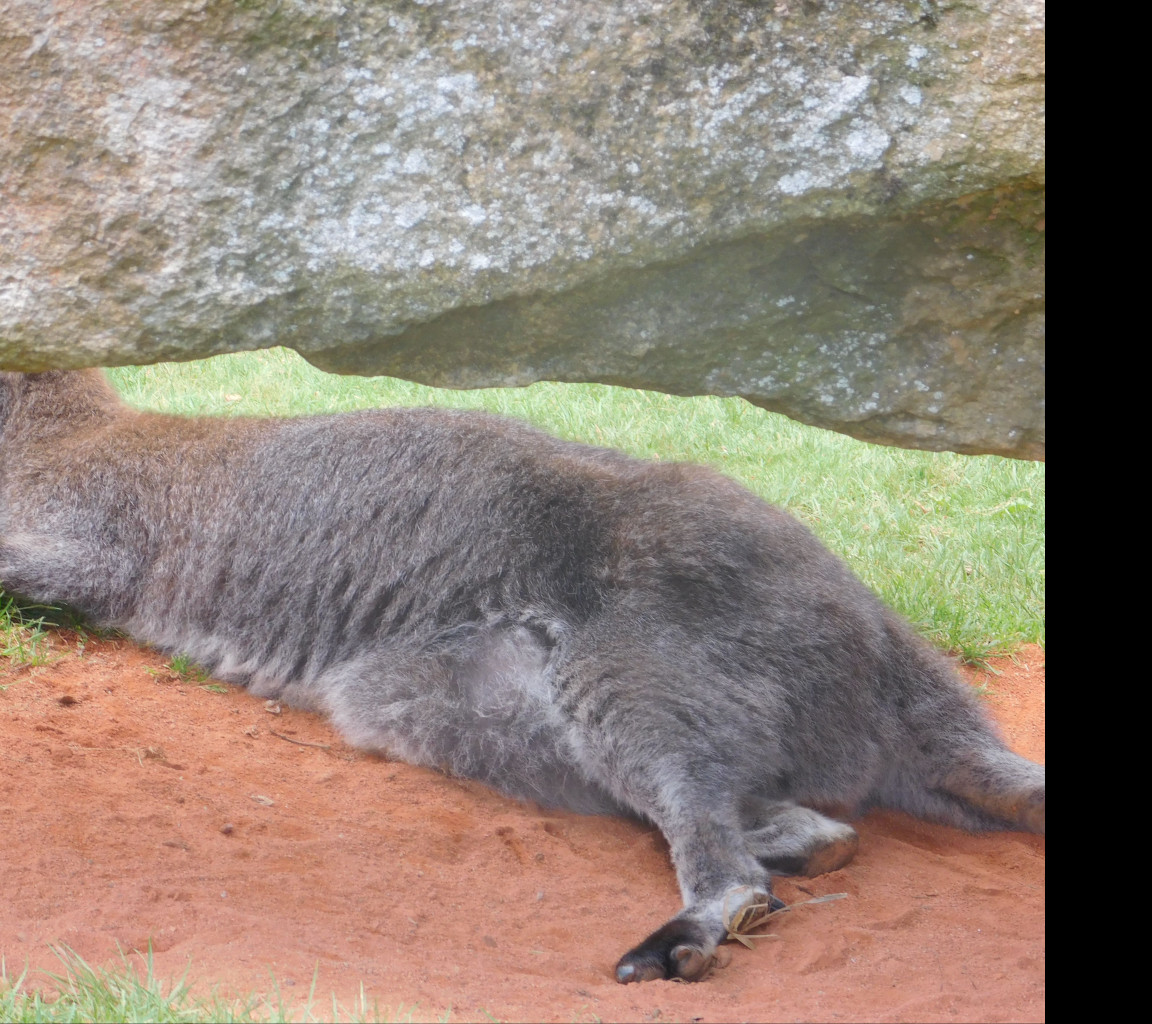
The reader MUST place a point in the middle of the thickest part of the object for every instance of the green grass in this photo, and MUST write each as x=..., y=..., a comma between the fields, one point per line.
x=953, y=542
x=24, y=629
x=131, y=992
x=21, y=637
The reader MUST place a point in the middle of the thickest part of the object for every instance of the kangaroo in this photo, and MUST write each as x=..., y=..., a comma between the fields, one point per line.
x=566, y=623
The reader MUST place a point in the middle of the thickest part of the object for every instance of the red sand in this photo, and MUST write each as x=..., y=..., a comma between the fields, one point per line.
x=144, y=808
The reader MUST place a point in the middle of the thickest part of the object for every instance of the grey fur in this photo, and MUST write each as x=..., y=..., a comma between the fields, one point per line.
x=564, y=622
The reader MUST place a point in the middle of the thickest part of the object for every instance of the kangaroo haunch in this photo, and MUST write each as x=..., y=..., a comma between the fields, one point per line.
x=563, y=622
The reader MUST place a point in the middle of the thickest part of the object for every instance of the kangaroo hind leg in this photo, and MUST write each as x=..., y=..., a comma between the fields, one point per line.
x=788, y=839
x=721, y=882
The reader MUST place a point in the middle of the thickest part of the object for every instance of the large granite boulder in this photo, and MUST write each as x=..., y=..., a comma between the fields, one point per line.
x=832, y=209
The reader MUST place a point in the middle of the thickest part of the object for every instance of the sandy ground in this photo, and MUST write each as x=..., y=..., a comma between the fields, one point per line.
x=245, y=845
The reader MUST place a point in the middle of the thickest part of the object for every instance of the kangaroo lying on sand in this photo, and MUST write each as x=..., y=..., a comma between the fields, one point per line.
x=563, y=622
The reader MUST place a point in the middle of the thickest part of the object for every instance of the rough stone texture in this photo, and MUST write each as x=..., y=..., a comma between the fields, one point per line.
x=832, y=209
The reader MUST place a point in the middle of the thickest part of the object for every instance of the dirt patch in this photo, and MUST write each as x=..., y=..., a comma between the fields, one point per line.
x=141, y=807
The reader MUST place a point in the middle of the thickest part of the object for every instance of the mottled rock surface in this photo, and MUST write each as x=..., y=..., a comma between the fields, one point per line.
x=832, y=209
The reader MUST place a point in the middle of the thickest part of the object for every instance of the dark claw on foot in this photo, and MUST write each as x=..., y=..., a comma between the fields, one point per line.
x=677, y=950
